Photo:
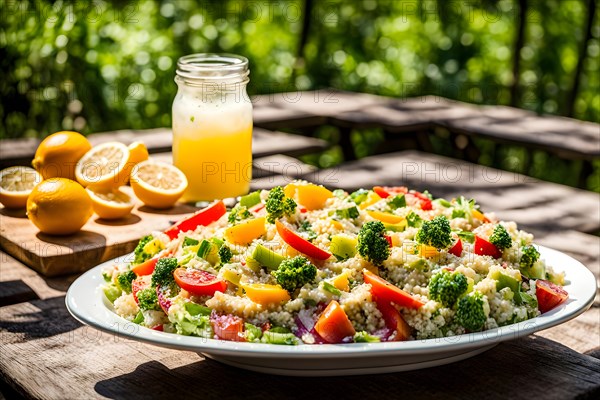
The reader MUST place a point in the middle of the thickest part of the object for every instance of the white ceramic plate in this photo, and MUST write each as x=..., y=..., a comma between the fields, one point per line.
x=86, y=302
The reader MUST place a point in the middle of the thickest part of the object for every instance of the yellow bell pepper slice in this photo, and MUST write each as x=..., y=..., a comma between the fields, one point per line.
x=313, y=197
x=265, y=294
x=232, y=276
x=336, y=224
x=478, y=215
x=428, y=251
x=246, y=231
x=290, y=190
x=385, y=217
x=371, y=199
x=341, y=282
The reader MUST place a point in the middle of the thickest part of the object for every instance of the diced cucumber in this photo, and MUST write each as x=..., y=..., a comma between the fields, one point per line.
x=279, y=338
x=251, y=199
x=399, y=227
x=267, y=258
x=253, y=332
x=398, y=201
x=187, y=241
x=505, y=281
x=347, y=213
x=537, y=270
x=139, y=318
x=112, y=292
x=331, y=289
x=209, y=251
x=342, y=246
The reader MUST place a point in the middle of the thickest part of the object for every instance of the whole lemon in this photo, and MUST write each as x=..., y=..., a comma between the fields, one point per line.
x=59, y=206
x=57, y=155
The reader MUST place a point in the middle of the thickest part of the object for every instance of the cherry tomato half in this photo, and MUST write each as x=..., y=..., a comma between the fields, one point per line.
x=199, y=283
x=138, y=284
x=549, y=295
x=228, y=327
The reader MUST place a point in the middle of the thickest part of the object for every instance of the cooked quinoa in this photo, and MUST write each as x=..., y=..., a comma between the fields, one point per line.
x=302, y=264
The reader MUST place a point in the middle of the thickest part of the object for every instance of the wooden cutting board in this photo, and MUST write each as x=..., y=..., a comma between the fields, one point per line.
x=98, y=241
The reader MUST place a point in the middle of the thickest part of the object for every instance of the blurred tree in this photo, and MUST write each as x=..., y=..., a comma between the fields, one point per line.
x=94, y=66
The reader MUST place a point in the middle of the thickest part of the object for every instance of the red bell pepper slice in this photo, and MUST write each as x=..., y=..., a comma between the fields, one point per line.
x=204, y=217
x=386, y=292
x=389, y=240
x=424, y=201
x=457, y=248
x=145, y=268
x=299, y=243
x=386, y=191
x=393, y=321
x=485, y=248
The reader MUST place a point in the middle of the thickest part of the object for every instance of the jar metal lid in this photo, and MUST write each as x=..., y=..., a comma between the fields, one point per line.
x=212, y=67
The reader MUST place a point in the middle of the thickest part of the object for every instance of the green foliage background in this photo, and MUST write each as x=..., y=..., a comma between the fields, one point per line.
x=96, y=66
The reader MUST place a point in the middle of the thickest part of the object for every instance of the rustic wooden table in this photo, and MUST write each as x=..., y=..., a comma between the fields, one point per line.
x=45, y=353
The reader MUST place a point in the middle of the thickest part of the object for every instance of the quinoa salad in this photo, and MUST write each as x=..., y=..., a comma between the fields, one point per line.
x=301, y=264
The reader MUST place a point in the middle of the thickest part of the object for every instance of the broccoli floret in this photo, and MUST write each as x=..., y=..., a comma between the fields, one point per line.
x=529, y=256
x=306, y=229
x=294, y=273
x=372, y=243
x=436, y=233
x=278, y=205
x=470, y=312
x=124, y=280
x=500, y=238
x=139, y=255
x=364, y=337
x=446, y=287
x=414, y=220
x=238, y=213
x=148, y=300
x=163, y=272
x=225, y=254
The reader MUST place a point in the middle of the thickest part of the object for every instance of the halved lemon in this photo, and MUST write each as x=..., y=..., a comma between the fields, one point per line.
x=16, y=184
x=104, y=165
x=158, y=184
x=110, y=203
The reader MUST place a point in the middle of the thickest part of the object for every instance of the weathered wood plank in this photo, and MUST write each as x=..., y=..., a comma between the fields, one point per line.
x=159, y=140
x=98, y=241
x=536, y=205
x=31, y=283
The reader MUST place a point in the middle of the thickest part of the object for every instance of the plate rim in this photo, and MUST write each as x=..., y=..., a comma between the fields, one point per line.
x=114, y=324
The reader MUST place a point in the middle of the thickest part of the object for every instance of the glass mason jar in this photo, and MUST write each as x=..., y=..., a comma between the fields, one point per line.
x=212, y=126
